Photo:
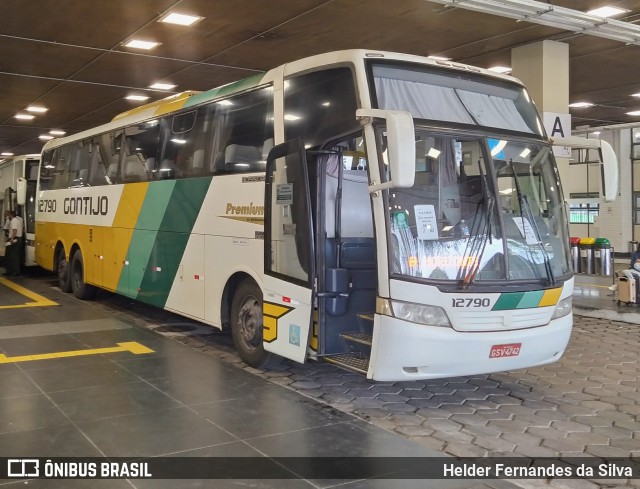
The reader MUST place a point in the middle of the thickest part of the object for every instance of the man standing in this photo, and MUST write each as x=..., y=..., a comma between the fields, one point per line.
x=14, y=245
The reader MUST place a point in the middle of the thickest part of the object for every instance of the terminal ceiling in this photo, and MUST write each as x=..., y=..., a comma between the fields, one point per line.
x=68, y=55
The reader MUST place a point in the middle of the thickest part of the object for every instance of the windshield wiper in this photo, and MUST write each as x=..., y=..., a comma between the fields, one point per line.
x=479, y=240
x=526, y=208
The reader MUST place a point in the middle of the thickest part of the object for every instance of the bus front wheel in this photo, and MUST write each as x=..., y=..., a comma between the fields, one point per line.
x=246, y=326
x=80, y=289
x=64, y=276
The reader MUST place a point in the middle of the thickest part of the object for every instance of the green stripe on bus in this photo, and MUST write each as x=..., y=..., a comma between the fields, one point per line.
x=531, y=299
x=509, y=300
x=172, y=238
x=144, y=235
x=238, y=86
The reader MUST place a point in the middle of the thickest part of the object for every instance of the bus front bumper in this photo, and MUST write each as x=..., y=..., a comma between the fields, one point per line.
x=407, y=351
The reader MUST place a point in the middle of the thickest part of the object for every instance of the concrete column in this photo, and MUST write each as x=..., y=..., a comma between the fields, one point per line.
x=544, y=69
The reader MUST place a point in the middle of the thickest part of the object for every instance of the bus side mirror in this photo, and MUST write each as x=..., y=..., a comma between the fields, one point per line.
x=609, y=171
x=21, y=191
x=401, y=148
x=608, y=162
x=401, y=145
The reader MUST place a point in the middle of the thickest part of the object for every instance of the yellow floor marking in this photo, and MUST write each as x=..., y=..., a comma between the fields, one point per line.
x=130, y=346
x=38, y=300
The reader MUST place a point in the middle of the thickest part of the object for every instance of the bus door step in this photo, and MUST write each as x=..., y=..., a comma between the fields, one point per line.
x=351, y=361
x=357, y=337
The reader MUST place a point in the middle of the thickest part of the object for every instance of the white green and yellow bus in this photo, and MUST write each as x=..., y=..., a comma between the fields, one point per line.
x=18, y=179
x=392, y=214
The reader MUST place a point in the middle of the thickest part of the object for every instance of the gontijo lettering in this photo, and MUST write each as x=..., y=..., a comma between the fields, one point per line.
x=86, y=206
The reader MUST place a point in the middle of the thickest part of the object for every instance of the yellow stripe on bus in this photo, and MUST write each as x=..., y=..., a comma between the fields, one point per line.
x=274, y=310
x=550, y=297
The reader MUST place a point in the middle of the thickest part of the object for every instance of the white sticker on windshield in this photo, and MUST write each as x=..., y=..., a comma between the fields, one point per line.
x=526, y=230
x=426, y=222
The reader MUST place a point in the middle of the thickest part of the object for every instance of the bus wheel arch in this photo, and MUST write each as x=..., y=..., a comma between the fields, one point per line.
x=80, y=288
x=62, y=267
x=245, y=319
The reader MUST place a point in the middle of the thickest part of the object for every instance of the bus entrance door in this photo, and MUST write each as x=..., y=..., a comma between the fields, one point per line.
x=289, y=262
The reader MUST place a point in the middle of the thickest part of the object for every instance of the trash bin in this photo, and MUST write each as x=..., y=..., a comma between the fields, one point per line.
x=586, y=255
x=575, y=253
x=602, y=256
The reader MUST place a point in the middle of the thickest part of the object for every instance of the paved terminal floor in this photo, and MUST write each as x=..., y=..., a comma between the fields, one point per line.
x=149, y=383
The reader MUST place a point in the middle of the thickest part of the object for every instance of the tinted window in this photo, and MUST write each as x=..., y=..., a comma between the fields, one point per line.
x=140, y=151
x=183, y=144
x=320, y=106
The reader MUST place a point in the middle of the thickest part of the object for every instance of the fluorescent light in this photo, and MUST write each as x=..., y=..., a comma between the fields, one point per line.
x=138, y=98
x=500, y=69
x=635, y=94
x=179, y=141
x=140, y=44
x=525, y=152
x=162, y=86
x=326, y=104
x=607, y=11
x=38, y=109
x=57, y=132
x=26, y=117
x=45, y=137
x=580, y=105
x=433, y=153
x=6, y=153
x=225, y=102
x=498, y=147
x=634, y=112
x=180, y=19
x=439, y=58
x=291, y=117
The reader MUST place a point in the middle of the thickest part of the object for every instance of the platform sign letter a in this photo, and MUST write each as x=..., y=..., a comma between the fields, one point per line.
x=557, y=128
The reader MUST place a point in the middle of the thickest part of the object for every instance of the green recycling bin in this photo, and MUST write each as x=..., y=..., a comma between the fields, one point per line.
x=602, y=256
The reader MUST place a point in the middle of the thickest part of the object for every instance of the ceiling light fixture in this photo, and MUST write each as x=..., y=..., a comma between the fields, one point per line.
x=26, y=117
x=635, y=94
x=57, y=132
x=137, y=98
x=37, y=109
x=607, y=11
x=634, y=112
x=45, y=137
x=291, y=117
x=439, y=58
x=140, y=44
x=180, y=19
x=552, y=15
x=580, y=105
x=500, y=69
x=6, y=153
x=162, y=86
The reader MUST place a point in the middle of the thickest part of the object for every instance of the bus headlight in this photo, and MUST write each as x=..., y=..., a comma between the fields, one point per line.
x=421, y=314
x=564, y=307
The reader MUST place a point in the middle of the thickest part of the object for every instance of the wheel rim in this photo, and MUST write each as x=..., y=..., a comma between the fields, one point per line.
x=250, y=322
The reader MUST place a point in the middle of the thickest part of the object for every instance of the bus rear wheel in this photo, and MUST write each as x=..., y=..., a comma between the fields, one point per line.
x=246, y=326
x=81, y=290
x=64, y=275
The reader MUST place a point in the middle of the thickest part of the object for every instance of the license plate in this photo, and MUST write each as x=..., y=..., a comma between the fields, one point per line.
x=510, y=350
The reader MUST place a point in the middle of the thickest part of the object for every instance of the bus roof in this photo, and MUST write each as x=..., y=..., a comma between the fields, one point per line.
x=193, y=98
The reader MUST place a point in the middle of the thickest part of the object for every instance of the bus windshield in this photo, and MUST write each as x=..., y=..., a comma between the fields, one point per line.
x=480, y=210
x=456, y=97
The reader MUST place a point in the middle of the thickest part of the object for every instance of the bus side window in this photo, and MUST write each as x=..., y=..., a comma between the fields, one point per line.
x=46, y=170
x=141, y=147
x=242, y=131
x=183, y=140
x=61, y=163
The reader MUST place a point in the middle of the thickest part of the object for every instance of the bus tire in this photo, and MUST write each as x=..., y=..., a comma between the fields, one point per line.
x=64, y=272
x=246, y=326
x=81, y=290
